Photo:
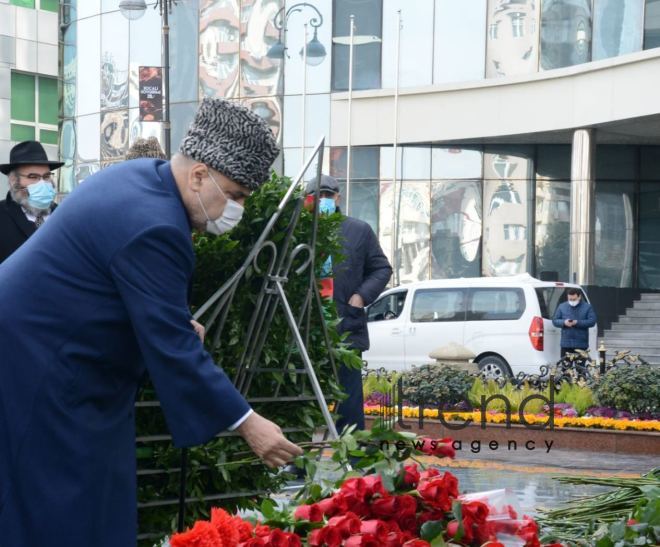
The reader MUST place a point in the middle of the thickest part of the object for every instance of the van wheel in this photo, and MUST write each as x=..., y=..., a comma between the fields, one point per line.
x=493, y=367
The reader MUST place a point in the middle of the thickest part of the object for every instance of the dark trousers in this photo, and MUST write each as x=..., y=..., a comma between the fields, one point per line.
x=351, y=409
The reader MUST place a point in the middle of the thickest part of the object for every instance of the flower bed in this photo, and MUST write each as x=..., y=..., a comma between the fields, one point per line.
x=591, y=422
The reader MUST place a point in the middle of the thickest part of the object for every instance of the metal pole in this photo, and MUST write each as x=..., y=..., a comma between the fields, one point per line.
x=350, y=113
x=395, y=141
x=304, y=96
x=165, y=6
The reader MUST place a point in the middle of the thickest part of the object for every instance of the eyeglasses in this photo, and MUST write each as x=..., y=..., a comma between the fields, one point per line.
x=35, y=177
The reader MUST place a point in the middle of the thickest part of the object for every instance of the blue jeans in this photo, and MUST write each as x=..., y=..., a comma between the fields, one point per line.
x=351, y=409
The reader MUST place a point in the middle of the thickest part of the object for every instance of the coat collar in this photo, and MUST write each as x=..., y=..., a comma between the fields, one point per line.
x=16, y=213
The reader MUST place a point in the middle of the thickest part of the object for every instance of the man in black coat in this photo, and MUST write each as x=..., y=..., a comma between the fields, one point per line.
x=30, y=198
x=357, y=282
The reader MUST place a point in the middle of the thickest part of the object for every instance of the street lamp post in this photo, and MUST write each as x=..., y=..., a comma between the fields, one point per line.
x=312, y=52
x=134, y=9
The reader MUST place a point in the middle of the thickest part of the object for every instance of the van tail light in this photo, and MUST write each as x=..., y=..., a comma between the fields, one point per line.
x=536, y=333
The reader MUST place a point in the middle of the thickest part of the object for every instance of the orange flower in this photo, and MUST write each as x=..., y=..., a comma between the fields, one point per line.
x=225, y=526
x=203, y=534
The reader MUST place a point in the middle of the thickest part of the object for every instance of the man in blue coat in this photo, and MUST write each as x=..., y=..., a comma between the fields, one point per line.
x=94, y=299
x=575, y=317
x=357, y=281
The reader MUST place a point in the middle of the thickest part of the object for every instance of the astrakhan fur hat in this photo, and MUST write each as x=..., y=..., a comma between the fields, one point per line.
x=232, y=140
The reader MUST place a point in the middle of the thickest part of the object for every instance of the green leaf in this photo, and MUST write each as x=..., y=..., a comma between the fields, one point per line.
x=267, y=508
x=431, y=529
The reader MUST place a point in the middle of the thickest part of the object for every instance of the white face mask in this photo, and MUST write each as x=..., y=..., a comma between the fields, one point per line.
x=573, y=302
x=231, y=215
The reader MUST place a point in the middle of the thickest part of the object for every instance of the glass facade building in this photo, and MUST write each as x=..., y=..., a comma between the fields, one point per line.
x=488, y=207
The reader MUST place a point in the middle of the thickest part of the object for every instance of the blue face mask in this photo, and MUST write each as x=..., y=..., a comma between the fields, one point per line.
x=41, y=194
x=327, y=206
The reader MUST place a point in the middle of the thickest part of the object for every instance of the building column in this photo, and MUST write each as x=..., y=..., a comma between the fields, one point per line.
x=583, y=186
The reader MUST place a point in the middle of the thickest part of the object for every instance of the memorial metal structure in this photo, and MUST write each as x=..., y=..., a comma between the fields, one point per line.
x=275, y=264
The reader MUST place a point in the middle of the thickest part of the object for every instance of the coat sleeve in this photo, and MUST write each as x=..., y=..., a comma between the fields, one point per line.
x=589, y=321
x=151, y=274
x=377, y=269
x=558, y=319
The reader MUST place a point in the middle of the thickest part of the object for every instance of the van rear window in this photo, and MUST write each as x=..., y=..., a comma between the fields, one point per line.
x=551, y=297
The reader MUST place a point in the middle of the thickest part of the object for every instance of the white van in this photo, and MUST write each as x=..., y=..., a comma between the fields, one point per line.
x=506, y=322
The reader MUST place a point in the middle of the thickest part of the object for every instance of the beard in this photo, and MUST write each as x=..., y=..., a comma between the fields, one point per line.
x=20, y=195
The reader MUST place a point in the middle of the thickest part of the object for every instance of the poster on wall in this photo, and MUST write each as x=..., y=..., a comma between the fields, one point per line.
x=151, y=93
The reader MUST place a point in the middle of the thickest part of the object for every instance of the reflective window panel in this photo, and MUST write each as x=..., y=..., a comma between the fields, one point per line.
x=553, y=162
x=413, y=162
x=144, y=130
x=649, y=235
x=456, y=163
x=512, y=37
x=416, y=45
x=317, y=119
x=114, y=60
x=456, y=228
x=219, y=40
x=260, y=75
x=144, y=50
x=652, y=24
x=318, y=67
x=69, y=71
x=114, y=134
x=565, y=33
x=87, y=8
x=184, y=34
x=364, y=202
x=270, y=109
x=67, y=179
x=88, y=129
x=552, y=227
x=650, y=162
x=615, y=233
x=181, y=115
x=89, y=66
x=366, y=55
x=616, y=162
x=364, y=162
x=617, y=27
x=507, y=216
x=412, y=243
x=459, y=41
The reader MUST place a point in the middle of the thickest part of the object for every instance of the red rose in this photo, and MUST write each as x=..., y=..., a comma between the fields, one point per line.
x=476, y=510
x=261, y=530
x=411, y=475
x=253, y=542
x=393, y=539
x=416, y=543
x=374, y=485
x=312, y=513
x=277, y=538
x=376, y=528
x=428, y=444
x=429, y=473
x=394, y=507
x=452, y=528
x=354, y=488
x=347, y=524
x=331, y=506
x=328, y=536
x=203, y=534
x=362, y=540
x=439, y=491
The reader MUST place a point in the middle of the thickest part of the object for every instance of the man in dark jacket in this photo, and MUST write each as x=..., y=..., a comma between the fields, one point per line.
x=575, y=317
x=358, y=280
x=30, y=198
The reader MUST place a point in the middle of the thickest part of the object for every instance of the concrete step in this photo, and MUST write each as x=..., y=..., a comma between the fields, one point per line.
x=653, y=323
x=647, y=305
x=627, y=343
x=634, y=312
x=635, y=327
x=629, y=334
x=650, y=297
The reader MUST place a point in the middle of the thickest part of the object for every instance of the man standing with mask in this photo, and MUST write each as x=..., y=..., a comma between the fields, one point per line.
x=112, y=269
x=356, y=282
x=575, y=317
x=30, y=198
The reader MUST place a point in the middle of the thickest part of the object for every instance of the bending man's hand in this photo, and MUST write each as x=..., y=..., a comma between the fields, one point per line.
x=267, y=441
x=199, y=329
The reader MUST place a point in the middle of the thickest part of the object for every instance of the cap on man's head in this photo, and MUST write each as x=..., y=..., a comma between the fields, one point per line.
x=28, y=153
x=232, y=140
x=328, y=184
